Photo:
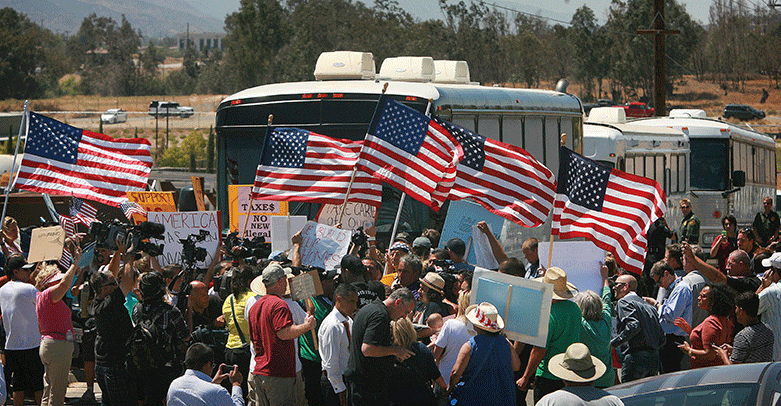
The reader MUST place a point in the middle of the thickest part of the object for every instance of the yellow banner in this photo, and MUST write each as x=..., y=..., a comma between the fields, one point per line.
x=259, y=224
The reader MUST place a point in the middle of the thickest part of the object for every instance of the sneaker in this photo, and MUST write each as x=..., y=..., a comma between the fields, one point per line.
x=87, y=398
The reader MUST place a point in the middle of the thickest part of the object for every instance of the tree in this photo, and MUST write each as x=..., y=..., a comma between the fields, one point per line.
x=21, y=53
x=210, y=151
x=583, y=36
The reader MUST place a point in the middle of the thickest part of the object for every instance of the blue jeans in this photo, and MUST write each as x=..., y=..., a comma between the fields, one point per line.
x=117, y=385
x=639, y=364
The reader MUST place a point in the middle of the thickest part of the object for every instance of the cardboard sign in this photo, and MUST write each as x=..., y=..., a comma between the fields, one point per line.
x=46, y=244
x=154, y=201
x=324, y=246
x=355, y=215
x=461, y=216
x=179, y=226
x=198, y=191
x=305, y=285
x=282, y=230
x=579, y=259
x=482, y=246
x=259, y=222
x=523, y=304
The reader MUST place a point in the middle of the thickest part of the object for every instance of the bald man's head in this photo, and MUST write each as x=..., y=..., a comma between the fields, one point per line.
x=199, y=295
x=624, y=285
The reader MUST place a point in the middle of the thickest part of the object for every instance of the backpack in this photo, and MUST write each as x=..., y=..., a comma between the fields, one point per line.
x=148, y=345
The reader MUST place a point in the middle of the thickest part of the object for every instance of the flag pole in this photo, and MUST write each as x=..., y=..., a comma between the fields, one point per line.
x=562, y=141
x=262, y=151
x=12, y=182
x=355, y=168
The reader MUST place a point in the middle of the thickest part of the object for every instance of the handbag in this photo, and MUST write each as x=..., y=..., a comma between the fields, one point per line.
x=458, y=390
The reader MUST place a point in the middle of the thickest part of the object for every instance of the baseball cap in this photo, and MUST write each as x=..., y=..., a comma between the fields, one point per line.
x=353, y=264
x=17, y=262
x=403, y=237
x=421, y=242
x=272, y=274
x=456, y=245
x=774, y=261
x=398, y=245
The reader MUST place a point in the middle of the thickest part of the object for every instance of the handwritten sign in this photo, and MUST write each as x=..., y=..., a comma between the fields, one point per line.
x=153, y=201
x=461, y=216
x=305, y=285
x=355, y=215
x=282, y=230
x=523, y=304
x=179, y=226
x=259, y=224
x=46, y=244
x=324, y=246
x=579, y=259
x=482, y=247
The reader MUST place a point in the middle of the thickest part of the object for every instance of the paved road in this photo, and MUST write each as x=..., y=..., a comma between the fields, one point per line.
x=142, y=120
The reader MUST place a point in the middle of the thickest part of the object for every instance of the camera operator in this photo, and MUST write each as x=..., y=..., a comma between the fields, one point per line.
x=205, y=319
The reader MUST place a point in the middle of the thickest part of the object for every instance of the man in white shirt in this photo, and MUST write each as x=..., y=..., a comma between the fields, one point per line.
x=334, y=339
x=770, y=300
x=20, y=320
x=196, y=387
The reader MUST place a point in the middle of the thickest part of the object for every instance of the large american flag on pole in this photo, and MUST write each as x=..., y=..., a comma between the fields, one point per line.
x=64, y=160
x=299, y=165
x=411, y=152
x=611, y=208
x=503, y=178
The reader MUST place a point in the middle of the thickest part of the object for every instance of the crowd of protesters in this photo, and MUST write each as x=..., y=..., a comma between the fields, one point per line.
x=390, y=328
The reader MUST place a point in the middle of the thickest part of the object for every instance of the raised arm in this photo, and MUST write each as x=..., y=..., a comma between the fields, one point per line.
x=496, y=247
x=708, y=271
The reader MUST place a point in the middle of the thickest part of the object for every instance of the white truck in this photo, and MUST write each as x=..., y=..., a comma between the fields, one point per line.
x=164, y=108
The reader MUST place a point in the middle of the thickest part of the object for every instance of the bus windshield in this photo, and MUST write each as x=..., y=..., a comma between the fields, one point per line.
x=709, y=164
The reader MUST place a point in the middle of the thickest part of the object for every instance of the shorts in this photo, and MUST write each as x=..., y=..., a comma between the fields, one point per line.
x=25, y=369
x=87, y=345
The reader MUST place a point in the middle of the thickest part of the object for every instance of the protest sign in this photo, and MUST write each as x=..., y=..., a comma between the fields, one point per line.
x=461, y=216
x=179, y=226
x=259, y=224
x=579, y=259
x=46, y=244
x=153, y=201
x=524, y=304
x=324, y=246
x=355, y=215
x=198, y=191
x=305, y=285
x=282, y=230
x=482, y=247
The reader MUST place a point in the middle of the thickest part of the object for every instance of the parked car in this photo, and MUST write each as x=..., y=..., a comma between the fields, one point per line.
x=112, y=116
x=600, y=103
x=638, y=109
x=738, y=384
x=742, y=112
x=164, y=108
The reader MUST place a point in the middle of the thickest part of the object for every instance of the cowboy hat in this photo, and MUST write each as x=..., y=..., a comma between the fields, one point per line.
x=485, y=316
x=270, y=276
x=576, y=364
x=562, y=290
x=433, y=281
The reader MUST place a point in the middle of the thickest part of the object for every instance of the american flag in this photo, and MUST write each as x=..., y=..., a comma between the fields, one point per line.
x=613, y=209
x=411, y=152
x=130, y=208
x=83, y=212
x=64, y=160
x=504, y=179
x=299, y=165
x=69, y=226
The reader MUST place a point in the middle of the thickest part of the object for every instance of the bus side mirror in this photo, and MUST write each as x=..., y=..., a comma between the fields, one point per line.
x=738, y=179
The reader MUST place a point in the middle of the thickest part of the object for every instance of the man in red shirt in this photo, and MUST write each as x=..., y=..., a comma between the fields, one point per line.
x=272, y=332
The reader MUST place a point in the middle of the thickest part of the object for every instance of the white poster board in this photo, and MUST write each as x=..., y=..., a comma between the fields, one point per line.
x=324, y=246
x=524, y=304
x=579, y=259
x=179, y=226
x=46, y=244
x=282, y=230
x=355, y=215
x=484, y=255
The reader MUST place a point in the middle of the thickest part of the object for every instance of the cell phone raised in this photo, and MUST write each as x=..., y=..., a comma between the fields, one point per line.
x=225, y=369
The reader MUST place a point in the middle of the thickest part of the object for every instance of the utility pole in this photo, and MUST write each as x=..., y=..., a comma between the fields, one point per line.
x=660, y=74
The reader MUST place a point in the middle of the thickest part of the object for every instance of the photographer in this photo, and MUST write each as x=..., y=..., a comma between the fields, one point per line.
x=205, y=319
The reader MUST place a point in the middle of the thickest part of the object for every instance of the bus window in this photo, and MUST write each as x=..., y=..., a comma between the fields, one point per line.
x=552, y=142
x=242, y=158
x=566, y=128
x=532, y=138
x=511, y=131
x=488, y=126
x=709, y=158
x=682, y=172
x=285, y=113
x=336, y=111
x=630, y=165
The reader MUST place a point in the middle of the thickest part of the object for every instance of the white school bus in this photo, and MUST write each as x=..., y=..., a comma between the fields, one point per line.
x=342, y=101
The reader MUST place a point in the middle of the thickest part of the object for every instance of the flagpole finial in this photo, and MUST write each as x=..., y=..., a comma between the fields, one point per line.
x=563, y=139
x=384, y=87
x=270, y=119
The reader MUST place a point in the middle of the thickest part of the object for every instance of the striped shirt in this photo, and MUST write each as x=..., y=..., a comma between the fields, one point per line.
x=753, y=344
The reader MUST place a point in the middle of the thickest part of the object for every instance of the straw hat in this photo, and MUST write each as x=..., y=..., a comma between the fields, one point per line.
x=485, y=316
x=562, y=290
x=576, y=364
x=271, y=275
x=433, y=281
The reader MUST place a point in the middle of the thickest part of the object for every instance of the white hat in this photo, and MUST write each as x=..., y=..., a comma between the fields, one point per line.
x=576, y=364
x=774, y=261
x=485, y=316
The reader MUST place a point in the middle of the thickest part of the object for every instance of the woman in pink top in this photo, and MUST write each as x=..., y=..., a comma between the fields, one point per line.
x=54, y=321
x=714, y=331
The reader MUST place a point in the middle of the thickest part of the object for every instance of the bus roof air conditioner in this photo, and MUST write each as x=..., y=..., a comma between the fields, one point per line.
x=452, y=72
x=408, y=69
x=345, y=65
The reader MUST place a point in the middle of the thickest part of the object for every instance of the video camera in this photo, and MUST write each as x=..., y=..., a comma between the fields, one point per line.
x=190, y=253
x=250, y=249
x=106, y=234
